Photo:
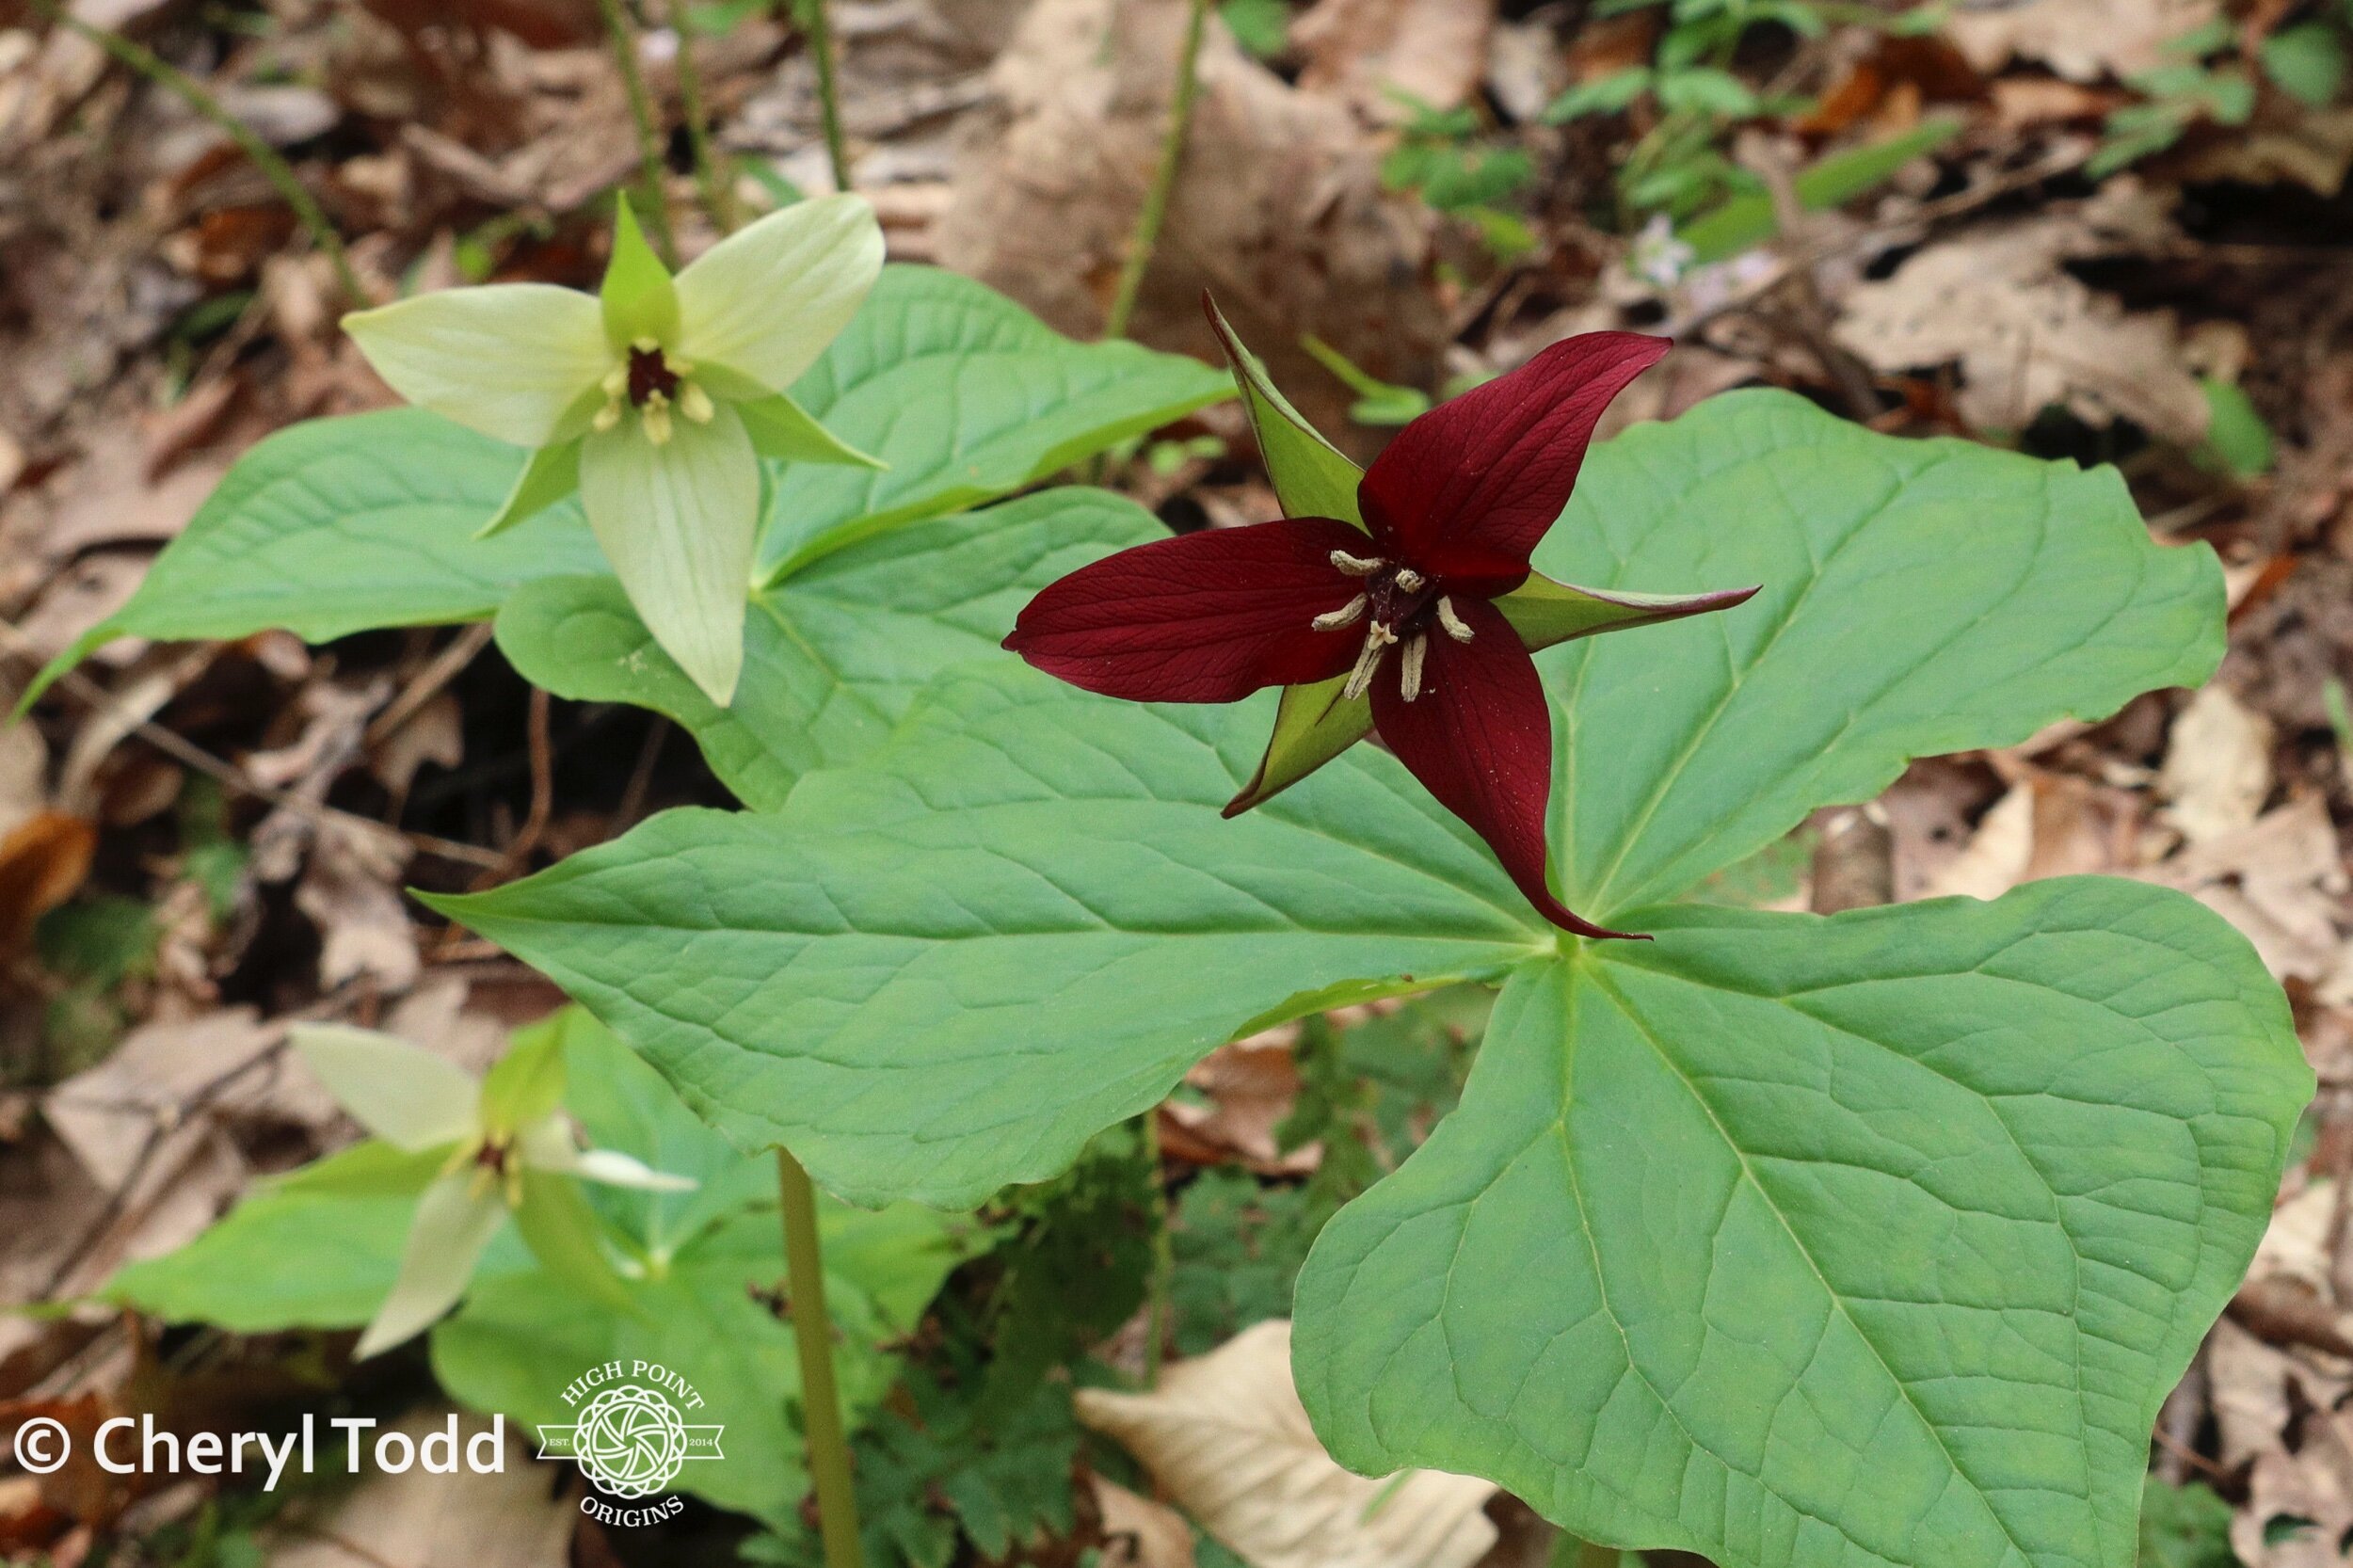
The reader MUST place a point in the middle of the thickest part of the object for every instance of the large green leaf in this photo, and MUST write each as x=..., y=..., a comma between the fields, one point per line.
x=965, y=395
x=341, y=525
x=1872, y=1239
x=317, y=1248
x=834, y=654
x=944, y=972
x=1920, y=596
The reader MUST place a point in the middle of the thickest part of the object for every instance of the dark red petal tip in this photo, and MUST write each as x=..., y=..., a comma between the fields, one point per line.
x=1478, y=733
x=1469, y=487
x=1202, y=617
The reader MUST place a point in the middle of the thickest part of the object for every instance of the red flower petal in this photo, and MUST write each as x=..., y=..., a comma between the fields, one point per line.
x=1467, y=490
x=1479, y=738
x=1202, y=617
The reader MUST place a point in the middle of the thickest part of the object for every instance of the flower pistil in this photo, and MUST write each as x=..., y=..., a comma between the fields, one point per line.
x=652, y=383
x=1405, y=603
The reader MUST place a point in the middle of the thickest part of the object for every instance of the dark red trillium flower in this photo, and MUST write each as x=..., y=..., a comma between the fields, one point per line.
x=1454, y=507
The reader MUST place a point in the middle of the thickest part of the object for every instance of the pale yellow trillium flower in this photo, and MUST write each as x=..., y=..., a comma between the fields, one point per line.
x=508, y=1150
x=654, y=397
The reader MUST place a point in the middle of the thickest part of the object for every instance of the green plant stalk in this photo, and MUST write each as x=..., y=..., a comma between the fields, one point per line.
x=717, y=188
x=657, y=208
x=812, y=1336
x=1155, y=212
x=274, y=167
x=1163, y=1259
x=811, y=15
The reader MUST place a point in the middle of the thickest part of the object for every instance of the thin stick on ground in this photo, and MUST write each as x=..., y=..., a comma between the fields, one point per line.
x=274, y=167
x=711, y=178
x=1156, y=199
x=650, y=161
x=818, y=30
x=813, y=1335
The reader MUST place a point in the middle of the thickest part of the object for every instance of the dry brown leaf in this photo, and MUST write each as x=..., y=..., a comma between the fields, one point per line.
x=417, y=1519
x=2296, y=1243
x=348, y=891
x=2262, y=1393
x=1279, y=210
x=2312, y=148
x=2217, y=766
x=434, y=733
x=1225, y=1437
x=108, y=1114
x=2026, y=333
x=1253, y=1083
x=1138, y=1532
x=81, y=596
x=1435, y=50
x=43, y=862
x=2280, y=882
x=2049, y=825
x=2080, y=40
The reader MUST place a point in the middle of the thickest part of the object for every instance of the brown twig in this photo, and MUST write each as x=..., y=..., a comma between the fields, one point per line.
x=229, y=777
x=197, y=1099
x=444, y=668
x=542, y=797
x=274, y=168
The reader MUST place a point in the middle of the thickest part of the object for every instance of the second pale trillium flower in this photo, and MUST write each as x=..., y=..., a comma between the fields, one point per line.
x=508, y=1150
x=654, y=397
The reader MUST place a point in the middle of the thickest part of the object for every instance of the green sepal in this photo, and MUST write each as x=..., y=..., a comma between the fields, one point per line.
x=526, y=1085
x=639, y=299
x=1314, y=725
x=1312, y=477
x=1544, y=612
x=782, y=429
x=552, y=474
x=566, y=1238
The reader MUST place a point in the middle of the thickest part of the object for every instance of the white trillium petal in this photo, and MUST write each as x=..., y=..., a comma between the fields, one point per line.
x=615, y=1169
x=452, y=1227
x=510, y=360
x=547, y=1145
x=678, y=521
x=766, y=300
x=411, y=1098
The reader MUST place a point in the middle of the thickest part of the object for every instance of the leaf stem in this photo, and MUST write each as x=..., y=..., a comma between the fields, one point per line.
x=1163, y=1257
x=814, y=22
x=274, y=167
x=709, y=178
x=813, y=1335
x=1156, y=199
x=649, y=162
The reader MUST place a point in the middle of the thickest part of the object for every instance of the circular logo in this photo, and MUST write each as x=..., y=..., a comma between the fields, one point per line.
x=631, y=1441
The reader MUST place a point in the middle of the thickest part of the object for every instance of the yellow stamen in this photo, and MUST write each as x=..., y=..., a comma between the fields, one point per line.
x=1356, y=566
x=1345, y=615
x=695, y=403
x=1409, y=580
x=657, y=416
x=1410, y=675
x=607, y=417
x=1455, y=625
x=1377, y=637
